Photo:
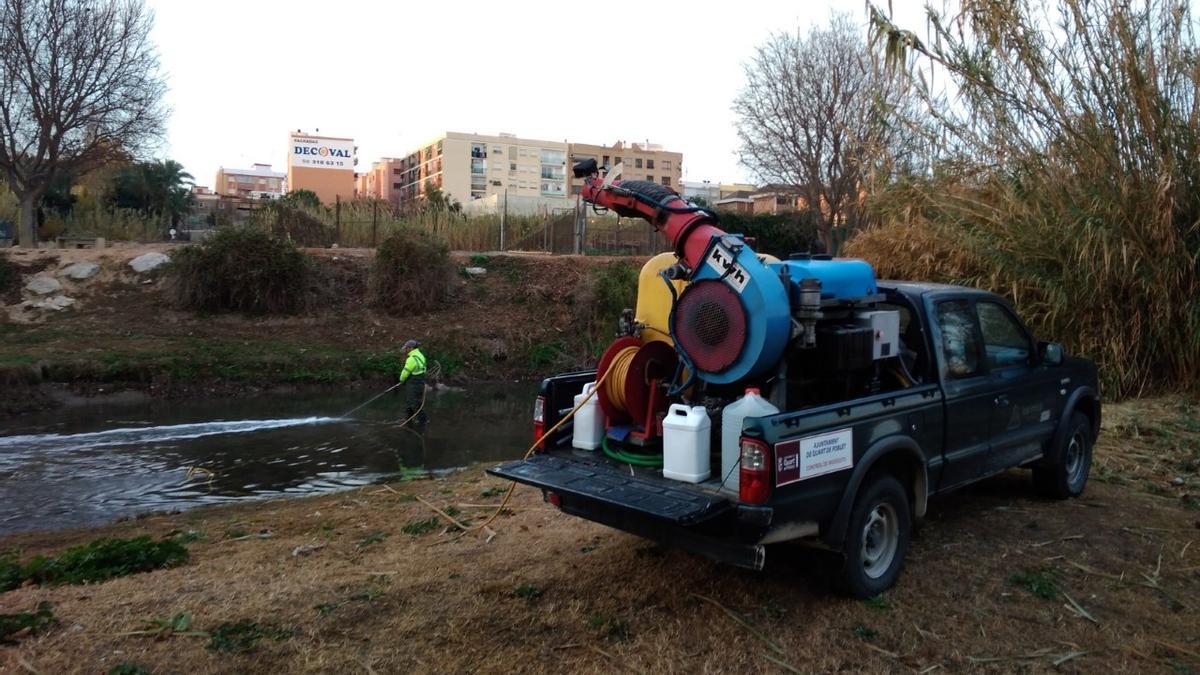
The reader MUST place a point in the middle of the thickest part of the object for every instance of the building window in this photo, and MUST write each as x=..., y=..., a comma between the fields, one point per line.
x=396, y=172
x=396, y=186
x=666, y=164
x=666, y=180
x=497, y=150
x=637, y=163
x=478, y=165
x=552, y=172
x=616, y=161
x=650, y=178
x=553, y=157
x=512, y=166
x=605, y=160
x=552, y=188
x=478, y=151
x=649, y=164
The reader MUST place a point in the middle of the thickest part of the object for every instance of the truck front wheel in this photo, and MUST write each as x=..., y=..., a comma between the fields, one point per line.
x=877, y=538
x=1065, y=470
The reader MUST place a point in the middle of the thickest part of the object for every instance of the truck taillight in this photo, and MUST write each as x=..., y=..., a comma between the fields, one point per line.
x=754, y=476
x=539, y=418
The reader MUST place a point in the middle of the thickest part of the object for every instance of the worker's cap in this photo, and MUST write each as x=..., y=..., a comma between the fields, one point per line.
x=412, y=344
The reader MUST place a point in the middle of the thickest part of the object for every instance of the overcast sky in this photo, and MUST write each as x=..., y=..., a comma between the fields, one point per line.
x=392, y=75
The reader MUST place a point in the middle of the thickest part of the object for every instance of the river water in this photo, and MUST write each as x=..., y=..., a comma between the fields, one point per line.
x=90, y=464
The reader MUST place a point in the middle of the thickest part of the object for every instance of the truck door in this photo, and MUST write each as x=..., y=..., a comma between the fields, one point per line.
x=968, y=388
x=1021, y=419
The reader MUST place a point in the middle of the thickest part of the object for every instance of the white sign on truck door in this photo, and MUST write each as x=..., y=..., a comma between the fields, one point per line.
x=813, y=456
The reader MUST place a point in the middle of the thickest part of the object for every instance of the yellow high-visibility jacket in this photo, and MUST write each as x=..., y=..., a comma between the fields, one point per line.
x=413, y=365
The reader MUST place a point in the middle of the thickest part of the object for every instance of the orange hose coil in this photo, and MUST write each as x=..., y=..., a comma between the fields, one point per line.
x=615, y=387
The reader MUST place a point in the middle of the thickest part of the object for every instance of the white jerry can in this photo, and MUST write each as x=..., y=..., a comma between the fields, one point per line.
x=686, y=439
x=589, y=421
x=750, y=405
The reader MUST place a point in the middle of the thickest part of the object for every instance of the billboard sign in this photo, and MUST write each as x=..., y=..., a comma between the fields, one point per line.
x=312, y=152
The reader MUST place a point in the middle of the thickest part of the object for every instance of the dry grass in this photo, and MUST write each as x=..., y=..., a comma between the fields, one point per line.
x=553, y=593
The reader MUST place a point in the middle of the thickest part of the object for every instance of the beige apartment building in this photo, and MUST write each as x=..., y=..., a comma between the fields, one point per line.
x=474, y=167
x=259, y=181
x=641, y=162
x=322, y=164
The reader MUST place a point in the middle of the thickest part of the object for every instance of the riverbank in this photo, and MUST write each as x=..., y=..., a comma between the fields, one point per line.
x=364, y=581
x=519, y=319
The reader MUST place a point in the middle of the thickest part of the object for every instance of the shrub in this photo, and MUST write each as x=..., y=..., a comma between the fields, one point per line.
x=411, y=274
x=242, y=270
x=609, y=289
x=777, y=234
x=9, y=274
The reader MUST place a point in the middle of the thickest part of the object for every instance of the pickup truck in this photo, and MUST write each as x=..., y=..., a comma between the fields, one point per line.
x=853, y=476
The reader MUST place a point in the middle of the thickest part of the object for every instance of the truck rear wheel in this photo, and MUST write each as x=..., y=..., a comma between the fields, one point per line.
x=877, y=539
x=1065, y=470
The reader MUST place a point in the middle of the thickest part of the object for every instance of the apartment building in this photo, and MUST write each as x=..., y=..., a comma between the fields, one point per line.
x=474, y=167
x=707, y=190
x=259, y=181
x=381, y=181
x=322, y=164
x=641, y=162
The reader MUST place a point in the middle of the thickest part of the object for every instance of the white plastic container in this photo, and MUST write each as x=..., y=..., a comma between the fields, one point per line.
x=686, y=441
x=750, y=405
x=589, y=421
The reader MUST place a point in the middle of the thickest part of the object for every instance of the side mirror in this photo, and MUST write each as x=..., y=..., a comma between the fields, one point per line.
x=1051, y=353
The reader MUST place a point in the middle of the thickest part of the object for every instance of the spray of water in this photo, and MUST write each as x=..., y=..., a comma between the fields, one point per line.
x=144, y=435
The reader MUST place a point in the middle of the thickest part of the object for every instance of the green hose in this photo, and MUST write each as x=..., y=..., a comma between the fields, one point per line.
x=630, y=457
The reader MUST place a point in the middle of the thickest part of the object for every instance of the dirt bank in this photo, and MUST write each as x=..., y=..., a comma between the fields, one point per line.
x=518, y=320
x=337, y=585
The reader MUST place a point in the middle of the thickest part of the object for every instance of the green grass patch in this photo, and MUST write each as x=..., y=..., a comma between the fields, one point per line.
x=878, y=603
x=242, y=636
x=372, y=538
x=545, y=354
x=491, y=492
x=528, y=592
x=128, y=668
x=1041, y=583
x=612, y=627
x=35, y=622
x=99, y=560
x=417, y=527
x=864, y=632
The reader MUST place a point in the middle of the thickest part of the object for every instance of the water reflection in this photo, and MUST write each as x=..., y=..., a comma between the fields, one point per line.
x=88, y=465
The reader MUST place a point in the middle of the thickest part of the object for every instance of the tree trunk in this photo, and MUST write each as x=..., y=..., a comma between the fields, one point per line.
x=27, y=228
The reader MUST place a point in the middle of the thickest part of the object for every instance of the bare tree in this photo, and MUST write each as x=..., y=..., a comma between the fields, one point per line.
x=816, y=115
x=79, y=85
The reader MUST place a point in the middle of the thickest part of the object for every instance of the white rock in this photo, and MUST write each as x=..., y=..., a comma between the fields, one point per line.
x=43, y=284
x=56, y=303
x=475, y=271
x=148, y=261
x=80, y=271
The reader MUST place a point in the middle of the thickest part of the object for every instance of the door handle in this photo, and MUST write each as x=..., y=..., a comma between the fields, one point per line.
x=1002, y=401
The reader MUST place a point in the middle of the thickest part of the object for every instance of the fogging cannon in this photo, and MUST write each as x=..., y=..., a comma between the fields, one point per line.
x=729, y=313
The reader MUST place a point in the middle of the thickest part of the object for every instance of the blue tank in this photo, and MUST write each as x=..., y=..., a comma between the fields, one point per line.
x=840, y=279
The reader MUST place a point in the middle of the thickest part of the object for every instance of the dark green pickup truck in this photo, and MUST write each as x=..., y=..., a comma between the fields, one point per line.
x=852, y=476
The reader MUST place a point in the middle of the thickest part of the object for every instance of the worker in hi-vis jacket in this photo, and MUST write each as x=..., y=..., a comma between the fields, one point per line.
x=412, y=376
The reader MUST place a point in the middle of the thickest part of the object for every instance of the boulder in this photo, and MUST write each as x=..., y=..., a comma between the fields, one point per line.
x=43, y=284
x=56, y=303
x=475, y=271
x=148, y=261
x=80, y=271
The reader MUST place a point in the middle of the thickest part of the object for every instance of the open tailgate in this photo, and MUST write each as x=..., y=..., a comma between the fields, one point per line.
x=599, y=480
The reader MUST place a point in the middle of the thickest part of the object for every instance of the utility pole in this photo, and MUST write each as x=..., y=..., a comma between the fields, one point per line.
x=374, y=221
x=337, y=219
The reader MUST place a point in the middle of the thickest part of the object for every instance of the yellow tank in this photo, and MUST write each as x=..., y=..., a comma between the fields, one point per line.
x=654, y=299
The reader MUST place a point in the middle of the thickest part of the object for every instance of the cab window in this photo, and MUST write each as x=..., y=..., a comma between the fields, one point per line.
x=960, y=341
x=1005, y=342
